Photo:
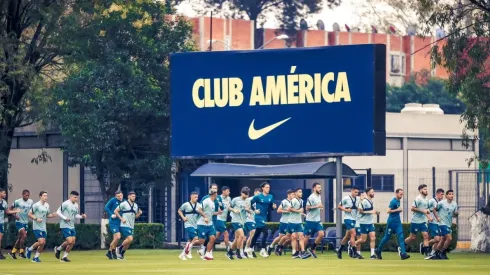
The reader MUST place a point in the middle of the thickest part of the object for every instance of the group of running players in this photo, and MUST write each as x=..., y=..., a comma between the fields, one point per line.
x=122, y=217
x=205, y=221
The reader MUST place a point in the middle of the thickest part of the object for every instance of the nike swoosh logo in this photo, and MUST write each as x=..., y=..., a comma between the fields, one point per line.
x=254, y=134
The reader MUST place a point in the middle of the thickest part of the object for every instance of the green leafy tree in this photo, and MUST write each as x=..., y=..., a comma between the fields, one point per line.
x=113, y=107
x=288, y=12
x=29, y=59
x=465, y=54
x=425, y=90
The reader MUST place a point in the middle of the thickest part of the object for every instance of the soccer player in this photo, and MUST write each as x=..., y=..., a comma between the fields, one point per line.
x=366, y=222
x=4, y=209
x=114, y=223
x=283, y=209
x=359, y=200
x=263, y=202
x=446, y=210
x=22, y=219
x=394, y=225
x=420, y=209
x=127, y=212
x=249, y=227
x=68, y=212
x=295, y=226
x=238, y=215
x=349, y=206
x=39, y=213
x=205, y=228
x=224, y=201
x=189, y=215
x=434, y=231
x=313, y=221
x=218, y=210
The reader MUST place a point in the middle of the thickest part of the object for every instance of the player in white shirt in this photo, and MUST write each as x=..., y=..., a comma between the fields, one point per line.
x=205, y=227
x=21, y=222
x=284, y=236
x=39, y=213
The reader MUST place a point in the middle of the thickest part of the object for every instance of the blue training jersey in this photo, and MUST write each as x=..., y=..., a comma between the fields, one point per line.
x=110, y=206
x=394, y=217
x=263, y=204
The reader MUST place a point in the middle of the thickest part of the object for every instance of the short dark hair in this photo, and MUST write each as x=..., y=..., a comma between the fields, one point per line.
x=290, y=191
x=440, y=190
x=194, y=193
x=131, y=193
x=245, y=190
x=355, y=188
x=118, y=192
x=25, y=191
x=74, y=193
x=422, y=186
x=398, y=190
x=369, y=189
x=224, y=188
x=214, y=184
x=257, y=190
x=42, y=193
x=2, y=190
x=297, y=189
x=314, y=185
x=449, y=191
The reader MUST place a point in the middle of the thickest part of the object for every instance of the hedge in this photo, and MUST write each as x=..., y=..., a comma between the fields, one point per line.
x=146, y=235
x=380, y=229
x=88, y=236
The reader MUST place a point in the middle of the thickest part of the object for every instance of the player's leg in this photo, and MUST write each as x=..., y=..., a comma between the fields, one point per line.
x=1, y=237
x=426, y=247
x=384, y=240
x=256, y=236
x=22, y=240
x=372, y=243
x=240, y=235
x=448, y=238
x=42, y=242
x=116, y=236
x=294, y=245
x=361, y=240
x=347, y=238
x=263, y=244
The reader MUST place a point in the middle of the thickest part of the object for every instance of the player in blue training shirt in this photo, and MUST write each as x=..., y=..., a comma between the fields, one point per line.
x=434, y=231
x=446, y=210
x=349, y=206
x=263, y=202
x=114, y=223
x=394, y=225
x=218, y=205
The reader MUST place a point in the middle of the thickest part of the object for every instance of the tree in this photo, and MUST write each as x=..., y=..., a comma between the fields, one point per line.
x=288, y=12
x=113, y=107
x=29, y=58
x=425, y=90
x=385, y=13
x=464, y=52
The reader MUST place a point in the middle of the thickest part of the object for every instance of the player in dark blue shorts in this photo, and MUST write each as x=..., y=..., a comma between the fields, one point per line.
x=114, y=223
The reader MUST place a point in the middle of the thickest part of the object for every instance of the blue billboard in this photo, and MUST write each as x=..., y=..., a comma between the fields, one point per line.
x=325, y=101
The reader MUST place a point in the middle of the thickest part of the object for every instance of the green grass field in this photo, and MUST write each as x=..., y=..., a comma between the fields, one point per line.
x=167, y=262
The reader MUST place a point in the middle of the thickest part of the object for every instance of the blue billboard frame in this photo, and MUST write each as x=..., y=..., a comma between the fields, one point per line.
x=377, y=73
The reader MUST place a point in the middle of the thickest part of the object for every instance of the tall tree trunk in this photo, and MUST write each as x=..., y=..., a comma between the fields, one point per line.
x=5, y=144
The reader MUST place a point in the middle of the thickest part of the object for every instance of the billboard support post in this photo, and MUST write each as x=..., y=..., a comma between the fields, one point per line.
x=338, y=198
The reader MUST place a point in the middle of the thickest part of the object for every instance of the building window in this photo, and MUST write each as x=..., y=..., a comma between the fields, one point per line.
x=359, y=182
x=397, y=63
x=383, y=183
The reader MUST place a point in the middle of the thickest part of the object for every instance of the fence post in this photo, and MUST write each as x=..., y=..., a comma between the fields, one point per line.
x=368, y=179
x=450, y=179
x=433, y=182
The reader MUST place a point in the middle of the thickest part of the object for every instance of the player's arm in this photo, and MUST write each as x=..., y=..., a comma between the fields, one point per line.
x=181, y=214
x=202, y=214
x=434, y=211
x=78, y=216
x=109, y=206
x=139, y=213
x=456, y=213
x=280, y=210
x=32, y=216
x=415, y=209
x=116, y=212
x=343, y=208
x=11, y=210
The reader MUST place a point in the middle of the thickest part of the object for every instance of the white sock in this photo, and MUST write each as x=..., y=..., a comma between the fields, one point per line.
x=294, y=251
x=241, y=250
x=59, y=248
x=271, y=246
x=372, y=251
x=65, y=255
x=37, y=254
x=359, y=252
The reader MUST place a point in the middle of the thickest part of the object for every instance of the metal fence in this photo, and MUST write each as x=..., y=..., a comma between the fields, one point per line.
x=471, y=188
